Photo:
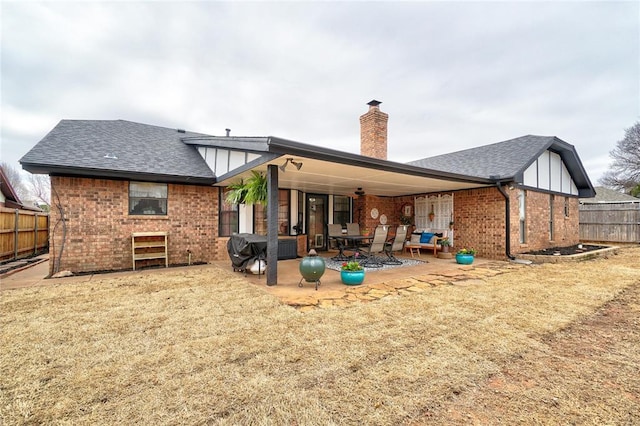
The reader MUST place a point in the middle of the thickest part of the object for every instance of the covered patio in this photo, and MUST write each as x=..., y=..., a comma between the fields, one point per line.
x=325, y=172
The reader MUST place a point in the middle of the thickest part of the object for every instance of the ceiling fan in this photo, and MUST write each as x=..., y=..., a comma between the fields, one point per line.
x=359, y=192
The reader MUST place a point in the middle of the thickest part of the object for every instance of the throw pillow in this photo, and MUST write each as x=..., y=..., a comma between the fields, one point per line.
x=415, y=238
x=426, y=237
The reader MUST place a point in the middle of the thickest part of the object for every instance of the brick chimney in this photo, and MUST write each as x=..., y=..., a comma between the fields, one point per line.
x=373, y=132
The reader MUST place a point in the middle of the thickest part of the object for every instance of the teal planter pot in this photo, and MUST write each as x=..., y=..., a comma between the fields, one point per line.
x=464, y=259
x=352, y=277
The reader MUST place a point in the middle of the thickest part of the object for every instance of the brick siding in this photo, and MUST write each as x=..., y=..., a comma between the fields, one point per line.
x=99, y=227
x=479, y=219
x=566, y=229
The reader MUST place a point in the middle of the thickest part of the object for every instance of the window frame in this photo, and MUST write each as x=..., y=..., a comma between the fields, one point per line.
x=346, y=213
x=225, y=213
x=162, y=201
x=284, y=213
x=522, y=210
x=552, y=200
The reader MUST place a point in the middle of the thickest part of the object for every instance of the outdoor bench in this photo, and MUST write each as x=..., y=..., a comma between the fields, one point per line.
x=427, y=241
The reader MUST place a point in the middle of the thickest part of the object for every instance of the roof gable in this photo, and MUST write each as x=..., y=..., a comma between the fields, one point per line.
x=509, y=160
x=505, y=159
x=7, y=189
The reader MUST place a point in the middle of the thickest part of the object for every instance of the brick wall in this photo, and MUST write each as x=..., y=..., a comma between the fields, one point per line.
x=98, y=225
x=566, y=229
x=388, y=206
x=373, y=132
x=479, y=221
x=479, y=217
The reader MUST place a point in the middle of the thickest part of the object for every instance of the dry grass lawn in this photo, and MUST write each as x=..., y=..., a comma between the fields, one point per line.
x=546, y=344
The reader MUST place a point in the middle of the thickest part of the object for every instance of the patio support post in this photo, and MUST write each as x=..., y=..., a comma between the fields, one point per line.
x=272, y=225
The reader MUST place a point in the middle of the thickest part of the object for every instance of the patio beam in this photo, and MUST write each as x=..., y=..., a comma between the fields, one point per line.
x=272, y=225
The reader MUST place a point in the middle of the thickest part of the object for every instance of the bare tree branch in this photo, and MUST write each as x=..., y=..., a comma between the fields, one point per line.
x=40, y=187
x=625, y=169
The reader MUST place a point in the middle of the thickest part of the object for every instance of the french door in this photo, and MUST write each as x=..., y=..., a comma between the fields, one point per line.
x=317, y=214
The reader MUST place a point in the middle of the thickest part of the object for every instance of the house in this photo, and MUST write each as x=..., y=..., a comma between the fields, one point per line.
x=606, y=195
x=8, y=196
x=112, y=178
x=610, y=216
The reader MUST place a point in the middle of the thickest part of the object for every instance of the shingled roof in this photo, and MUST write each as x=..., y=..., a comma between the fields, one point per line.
x=118, y=148
x=509, y=159
x=606, y=195
x=127, y=150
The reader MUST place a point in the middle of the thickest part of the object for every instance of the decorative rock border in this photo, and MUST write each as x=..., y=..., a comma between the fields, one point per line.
x=466, y=275
x=536, y=258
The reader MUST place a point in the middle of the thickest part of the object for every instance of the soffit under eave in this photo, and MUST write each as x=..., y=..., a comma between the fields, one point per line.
x=251, y=144
x=245, y=169
x=340, y=179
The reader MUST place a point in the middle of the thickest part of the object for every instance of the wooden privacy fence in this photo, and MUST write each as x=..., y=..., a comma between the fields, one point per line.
x=22, y=233
x=615, y=222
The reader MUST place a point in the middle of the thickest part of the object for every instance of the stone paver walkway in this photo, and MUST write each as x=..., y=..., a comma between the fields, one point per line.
x=465, y=275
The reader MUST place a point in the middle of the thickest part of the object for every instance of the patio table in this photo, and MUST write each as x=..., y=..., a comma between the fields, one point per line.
x=340, y=243
x=349, y=242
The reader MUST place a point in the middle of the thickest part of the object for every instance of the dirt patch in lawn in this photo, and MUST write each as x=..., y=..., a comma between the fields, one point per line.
x=586, y=374
x=204, y=346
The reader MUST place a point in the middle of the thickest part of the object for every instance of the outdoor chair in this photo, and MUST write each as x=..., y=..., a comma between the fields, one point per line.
x=334, y=232
x=375, y=248
x=353, y=229
x=396, y=245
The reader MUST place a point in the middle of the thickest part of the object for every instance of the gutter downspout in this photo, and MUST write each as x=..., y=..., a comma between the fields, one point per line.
x=507, y=218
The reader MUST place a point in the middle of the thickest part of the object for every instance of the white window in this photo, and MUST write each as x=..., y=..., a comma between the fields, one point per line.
x=147, y=198
x=522, y=210
x=552, y=200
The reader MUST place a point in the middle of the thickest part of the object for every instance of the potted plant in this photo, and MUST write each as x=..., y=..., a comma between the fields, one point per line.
x=465, y=256
x=236, y=193
x=352, y=273
x=406, y=220
x=432, y=216
x=445, y=243
x=252, y=191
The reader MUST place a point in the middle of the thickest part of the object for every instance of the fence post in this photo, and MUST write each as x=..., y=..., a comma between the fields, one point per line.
x=15, y=235
x=35, y=235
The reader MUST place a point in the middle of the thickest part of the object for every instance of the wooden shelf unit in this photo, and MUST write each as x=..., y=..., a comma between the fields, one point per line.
x=149, y=245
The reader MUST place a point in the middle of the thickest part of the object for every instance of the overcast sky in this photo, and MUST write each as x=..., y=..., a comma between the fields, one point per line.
x=451, y=75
